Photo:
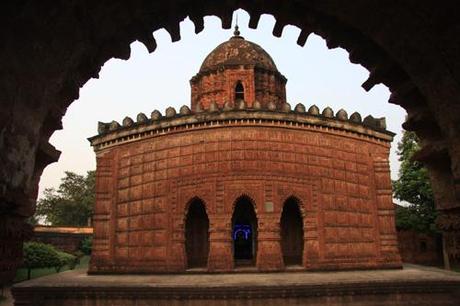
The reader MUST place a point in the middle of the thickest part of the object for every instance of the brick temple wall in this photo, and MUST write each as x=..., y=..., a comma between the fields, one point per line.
x=219, y=86
x=420, y=248
x=341, y=179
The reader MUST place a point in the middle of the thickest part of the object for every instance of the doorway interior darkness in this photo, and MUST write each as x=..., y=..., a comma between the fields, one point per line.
x=239, y=91
x=292, y=232
x=244, y=232
x=197, y=235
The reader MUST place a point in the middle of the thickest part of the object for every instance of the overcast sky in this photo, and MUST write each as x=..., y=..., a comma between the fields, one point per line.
x=316, y=75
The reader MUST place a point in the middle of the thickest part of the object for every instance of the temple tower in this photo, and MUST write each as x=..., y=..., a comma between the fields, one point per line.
x=238, y=70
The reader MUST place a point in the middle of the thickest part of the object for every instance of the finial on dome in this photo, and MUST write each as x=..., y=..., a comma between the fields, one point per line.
x=236, y=32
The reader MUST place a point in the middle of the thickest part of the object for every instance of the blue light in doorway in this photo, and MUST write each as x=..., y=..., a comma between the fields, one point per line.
x=244, y=229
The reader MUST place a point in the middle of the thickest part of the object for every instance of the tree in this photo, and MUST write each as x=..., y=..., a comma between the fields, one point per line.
x=72, y=203
x=39, y=255
x=65, y=259
x=86, y=245
x=413, y=186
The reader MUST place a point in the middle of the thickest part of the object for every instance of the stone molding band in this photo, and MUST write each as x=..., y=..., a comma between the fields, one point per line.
x=24, y=295
x=113, y=133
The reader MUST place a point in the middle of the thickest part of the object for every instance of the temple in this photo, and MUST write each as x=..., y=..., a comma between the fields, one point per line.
x=240, y=181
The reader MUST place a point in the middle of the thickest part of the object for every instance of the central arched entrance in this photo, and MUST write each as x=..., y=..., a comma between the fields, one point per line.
x=292, y=232
x=197, y=235
x=244, y=232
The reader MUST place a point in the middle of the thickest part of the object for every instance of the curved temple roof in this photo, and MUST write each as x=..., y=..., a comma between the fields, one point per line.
x=238, y=51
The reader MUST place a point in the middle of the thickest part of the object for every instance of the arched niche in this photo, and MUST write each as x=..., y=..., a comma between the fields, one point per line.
x=292, y=232
x=197, y=235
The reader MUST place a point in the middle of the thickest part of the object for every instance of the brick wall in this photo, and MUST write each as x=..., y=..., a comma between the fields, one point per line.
x=67, y=239
x=341, y=179
x=219, y=86
x=420, y=248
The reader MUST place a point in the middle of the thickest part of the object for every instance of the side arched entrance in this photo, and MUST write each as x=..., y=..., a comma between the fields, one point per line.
x=244, y=232
x=291, y=232
x=197, y=235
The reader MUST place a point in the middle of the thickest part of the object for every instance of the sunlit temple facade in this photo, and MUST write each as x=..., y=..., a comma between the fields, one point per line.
x=239, y=181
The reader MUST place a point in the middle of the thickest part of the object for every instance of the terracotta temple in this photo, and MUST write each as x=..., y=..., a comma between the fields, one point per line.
x=241, y=181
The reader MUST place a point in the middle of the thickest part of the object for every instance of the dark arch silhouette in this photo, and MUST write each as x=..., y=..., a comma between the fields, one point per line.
x=239, y=91
x=432, y=106
x=244, y=232
x=292, y=232
x=197, y=235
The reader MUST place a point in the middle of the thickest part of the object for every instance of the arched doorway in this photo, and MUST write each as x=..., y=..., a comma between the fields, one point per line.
x=197, y=235
x=244, y=232
x=292, y=232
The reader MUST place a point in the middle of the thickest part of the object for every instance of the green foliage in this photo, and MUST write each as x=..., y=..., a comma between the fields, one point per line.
x=70, y=205
x=32, y=220
x=41, y=255
x=21, y=273
x=65, y=259
x=86, y=245
x=413, y=186
x=79, y=254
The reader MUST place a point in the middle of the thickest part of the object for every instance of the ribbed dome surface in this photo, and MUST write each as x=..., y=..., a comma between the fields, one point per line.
x=238, y=51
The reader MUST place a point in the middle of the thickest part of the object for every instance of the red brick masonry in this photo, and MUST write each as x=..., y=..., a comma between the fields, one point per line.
x=238, y=61
x=68, y=239
x=148, y=172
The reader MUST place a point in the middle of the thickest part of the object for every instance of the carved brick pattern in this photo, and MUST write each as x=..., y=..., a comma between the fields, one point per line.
x=327, y=170
x=101, y=217
x=219, y=87
x=268, y=191
x=220, y=207
x=385, y=206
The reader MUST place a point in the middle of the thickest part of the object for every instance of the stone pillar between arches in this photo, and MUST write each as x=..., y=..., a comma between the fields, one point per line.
x=311, y=242
x=269, y=254
x=177, y=260
x=220, y=258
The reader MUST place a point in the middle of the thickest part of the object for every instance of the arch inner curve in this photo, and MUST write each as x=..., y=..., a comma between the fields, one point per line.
x=292, y=232
x=244, y=232
x=197, y=235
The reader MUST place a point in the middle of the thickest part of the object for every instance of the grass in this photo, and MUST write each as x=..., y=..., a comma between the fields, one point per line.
x=456, y=268
x=453, y=267
x=21, y=274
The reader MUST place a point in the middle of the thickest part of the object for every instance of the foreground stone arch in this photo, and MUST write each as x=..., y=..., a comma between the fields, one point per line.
x=49, y=52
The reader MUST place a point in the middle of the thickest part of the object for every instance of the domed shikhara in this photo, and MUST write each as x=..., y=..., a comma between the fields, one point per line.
x=238, y=51
x=238, y=70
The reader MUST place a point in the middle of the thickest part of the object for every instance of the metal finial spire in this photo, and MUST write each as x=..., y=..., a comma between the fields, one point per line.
x=236, y=32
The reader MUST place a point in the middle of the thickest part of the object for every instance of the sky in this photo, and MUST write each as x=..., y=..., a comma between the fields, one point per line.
x=145, y=82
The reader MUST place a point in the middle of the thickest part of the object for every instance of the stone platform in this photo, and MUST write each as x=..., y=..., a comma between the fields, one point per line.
x=413, y=285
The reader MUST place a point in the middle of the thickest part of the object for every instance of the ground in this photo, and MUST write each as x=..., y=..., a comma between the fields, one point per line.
x=413, y=285
x=6, y=299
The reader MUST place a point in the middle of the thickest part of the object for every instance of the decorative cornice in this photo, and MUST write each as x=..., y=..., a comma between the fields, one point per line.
x=113, y=133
